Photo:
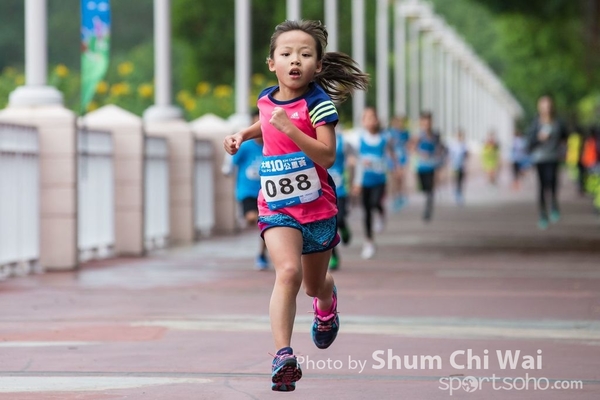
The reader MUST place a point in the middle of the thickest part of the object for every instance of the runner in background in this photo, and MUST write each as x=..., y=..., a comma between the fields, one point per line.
x=490, y=157
x=459, y=154
x=519, y=158
x=371, y=175
x=400, y=138
x=339, y=172
x=429, y=153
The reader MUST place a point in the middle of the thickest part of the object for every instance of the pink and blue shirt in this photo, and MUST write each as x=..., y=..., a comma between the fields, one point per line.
x=291, y=183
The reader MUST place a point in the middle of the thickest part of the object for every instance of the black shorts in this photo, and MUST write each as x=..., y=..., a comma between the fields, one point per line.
x=249, y=204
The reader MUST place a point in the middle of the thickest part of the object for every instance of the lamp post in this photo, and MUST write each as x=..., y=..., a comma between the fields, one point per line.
x=399, y=60
x=162, y=108
x=293, y=10
x=331, y=23
x=382, y=50
x=359, y=55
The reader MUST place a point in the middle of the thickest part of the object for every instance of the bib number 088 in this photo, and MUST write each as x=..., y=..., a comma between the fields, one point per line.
x=286, y=186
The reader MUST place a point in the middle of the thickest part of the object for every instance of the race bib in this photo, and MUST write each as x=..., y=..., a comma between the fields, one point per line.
x=252, y=173
x=373, y=164
x=288, y=180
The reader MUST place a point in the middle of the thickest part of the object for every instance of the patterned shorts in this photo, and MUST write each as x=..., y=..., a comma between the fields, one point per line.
x=317, y=236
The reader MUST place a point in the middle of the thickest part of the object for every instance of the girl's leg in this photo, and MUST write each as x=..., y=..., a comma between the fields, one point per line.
x=377, y=199
x=366, y=201
x=541, y=191
x=285, y=249
x=553, y=184
x=318, y=282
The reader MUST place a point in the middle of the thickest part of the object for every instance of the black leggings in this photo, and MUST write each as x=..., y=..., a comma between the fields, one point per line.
x=372, y=198
x=548, y=181
x=460, y=179
x=427, y=181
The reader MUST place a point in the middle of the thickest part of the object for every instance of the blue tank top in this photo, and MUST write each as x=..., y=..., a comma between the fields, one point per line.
x=247, y=160
x=373, y=162
x=428, y=146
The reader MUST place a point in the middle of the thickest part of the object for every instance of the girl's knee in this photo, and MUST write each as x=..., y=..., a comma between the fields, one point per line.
x=289, y=274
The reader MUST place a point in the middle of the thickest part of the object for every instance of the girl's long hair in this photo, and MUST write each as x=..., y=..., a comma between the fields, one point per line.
x=340, y=76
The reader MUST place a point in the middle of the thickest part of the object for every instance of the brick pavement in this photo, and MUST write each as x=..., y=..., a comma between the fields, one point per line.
x=192, y=323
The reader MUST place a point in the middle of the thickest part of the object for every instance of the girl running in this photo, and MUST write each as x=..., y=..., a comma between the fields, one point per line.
x=297, y=202
x=546, y=138
x=370, y=177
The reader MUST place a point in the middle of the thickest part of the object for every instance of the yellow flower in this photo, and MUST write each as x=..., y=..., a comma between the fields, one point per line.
x=20, y=79
x=222, y=91
x=189, y=104
x=102, y=87
x=202, y=88
x=119, y=89
x=125, y=68
x=61, y=70
x=9, y=71
x=145, y=90
x=258, y=79
x=92, y=106
x=183, y=95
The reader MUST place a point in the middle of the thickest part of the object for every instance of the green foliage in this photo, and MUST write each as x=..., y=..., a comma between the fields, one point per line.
x=535, y=46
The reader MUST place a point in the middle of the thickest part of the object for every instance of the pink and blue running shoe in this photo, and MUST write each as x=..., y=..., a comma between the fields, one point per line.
x=325, y=329
x=286, y=371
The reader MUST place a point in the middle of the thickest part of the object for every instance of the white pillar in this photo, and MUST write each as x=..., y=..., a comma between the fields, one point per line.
x=293, y=10
x=426, y=74
x=437, y=86
x=242, y=57
x=399, y=61
x=162, y=108
x=35, y=91
x=382, y=50
x=414, y=76
x=358, y=53
x=331, y=23
x=449, y=94
x=442, y=89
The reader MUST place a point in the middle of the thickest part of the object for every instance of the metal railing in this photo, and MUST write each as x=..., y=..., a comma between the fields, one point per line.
x=96, y=195
x=156, y=193
x=204, y=187
x=19, y=199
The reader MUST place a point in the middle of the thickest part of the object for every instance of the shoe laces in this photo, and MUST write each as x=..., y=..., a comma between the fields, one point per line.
x=325, y=324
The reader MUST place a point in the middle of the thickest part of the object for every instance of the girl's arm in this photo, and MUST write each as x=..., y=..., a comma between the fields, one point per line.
x=232, y=143
x=320, y=150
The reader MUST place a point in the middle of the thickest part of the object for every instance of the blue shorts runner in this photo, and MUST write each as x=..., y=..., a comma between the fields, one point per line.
x=317, y=236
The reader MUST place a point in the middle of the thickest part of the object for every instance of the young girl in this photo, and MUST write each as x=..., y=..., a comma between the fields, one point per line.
x=429, y=155
x=370, y=177
x=297, y=203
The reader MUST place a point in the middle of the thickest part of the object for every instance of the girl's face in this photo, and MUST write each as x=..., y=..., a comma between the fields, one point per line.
x=370, y=121
x=545, y=106
x=295, y=60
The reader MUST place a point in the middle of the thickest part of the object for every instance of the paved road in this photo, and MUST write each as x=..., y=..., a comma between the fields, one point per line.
x=478, y=284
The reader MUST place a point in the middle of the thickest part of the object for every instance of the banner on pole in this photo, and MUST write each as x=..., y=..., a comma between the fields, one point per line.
x=95, y=46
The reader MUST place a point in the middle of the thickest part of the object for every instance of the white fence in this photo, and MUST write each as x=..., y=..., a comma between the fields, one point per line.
x=204, y=187
x=96, y=195
x=19, y=199
x=156, y=193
